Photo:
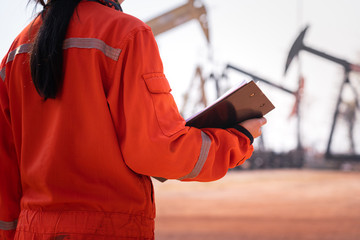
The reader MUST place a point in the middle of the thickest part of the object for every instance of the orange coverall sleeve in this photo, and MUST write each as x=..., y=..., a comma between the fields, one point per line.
x=10, y=186
x=152, y=134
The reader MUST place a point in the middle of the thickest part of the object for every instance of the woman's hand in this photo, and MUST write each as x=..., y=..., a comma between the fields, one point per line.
x=254, y=126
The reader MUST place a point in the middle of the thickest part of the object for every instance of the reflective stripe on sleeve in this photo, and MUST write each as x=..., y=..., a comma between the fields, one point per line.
x=25, y=48
x=8, y=225
x=205, y=148
x=2, y=74
x=93, y=43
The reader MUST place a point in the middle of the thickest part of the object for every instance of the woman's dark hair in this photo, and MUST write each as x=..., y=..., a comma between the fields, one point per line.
x=46, y=60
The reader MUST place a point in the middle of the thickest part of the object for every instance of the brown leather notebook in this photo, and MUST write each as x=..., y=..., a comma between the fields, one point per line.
x=244, y=102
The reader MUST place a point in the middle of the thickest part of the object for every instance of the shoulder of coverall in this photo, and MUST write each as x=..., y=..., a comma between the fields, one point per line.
x=107, y=22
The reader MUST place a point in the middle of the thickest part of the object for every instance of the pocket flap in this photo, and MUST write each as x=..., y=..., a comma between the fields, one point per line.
x=157, y=83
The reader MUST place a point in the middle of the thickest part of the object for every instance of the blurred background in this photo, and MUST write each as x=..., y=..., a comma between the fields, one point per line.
x=209, y=46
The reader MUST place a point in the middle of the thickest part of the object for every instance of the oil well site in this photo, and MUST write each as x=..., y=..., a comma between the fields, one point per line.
x=303, y=180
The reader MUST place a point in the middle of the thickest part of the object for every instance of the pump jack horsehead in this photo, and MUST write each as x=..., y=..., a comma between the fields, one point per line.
x=348, y=67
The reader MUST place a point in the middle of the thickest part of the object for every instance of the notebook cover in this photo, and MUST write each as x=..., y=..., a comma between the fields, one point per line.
x=245, y=102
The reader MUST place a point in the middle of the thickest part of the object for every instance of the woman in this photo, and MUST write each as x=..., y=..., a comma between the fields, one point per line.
x=86, y=117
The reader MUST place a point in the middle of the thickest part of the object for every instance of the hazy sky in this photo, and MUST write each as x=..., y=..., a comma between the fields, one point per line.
x=255, y=35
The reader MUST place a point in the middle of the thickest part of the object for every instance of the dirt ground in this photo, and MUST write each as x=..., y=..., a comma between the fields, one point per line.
x=261, y=205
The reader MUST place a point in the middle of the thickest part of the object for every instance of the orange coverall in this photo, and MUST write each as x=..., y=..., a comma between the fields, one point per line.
x=78, y=166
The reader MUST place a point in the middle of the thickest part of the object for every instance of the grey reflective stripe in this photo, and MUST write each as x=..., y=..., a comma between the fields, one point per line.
x=25, y=48
x=2, y=74
x=205, y=148
x=89, y=43
x=8, y=225
x=85, y=43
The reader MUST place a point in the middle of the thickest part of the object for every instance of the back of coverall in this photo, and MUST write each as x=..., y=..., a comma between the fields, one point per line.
x=78, y=166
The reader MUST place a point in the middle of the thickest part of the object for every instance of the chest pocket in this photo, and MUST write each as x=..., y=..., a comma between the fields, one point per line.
x=167, y=113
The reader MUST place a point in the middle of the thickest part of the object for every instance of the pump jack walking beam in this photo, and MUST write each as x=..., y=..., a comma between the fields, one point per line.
x=229, y=66
x=193, y=9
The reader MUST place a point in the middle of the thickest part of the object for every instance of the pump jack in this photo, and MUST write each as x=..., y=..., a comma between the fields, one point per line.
x=348, y=67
